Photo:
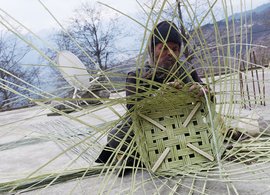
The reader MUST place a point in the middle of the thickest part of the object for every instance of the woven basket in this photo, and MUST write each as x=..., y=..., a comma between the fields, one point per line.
x=173, y=131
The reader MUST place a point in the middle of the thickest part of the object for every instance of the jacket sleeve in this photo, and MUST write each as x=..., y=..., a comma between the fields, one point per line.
x=195, y=76
x=192, y=76
x=130, y=87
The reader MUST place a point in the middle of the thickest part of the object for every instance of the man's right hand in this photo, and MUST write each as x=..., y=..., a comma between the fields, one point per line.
x=198, y=90
x=175, y=84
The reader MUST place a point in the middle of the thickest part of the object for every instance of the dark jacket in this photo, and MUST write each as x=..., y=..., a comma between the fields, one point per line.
x=186, y=75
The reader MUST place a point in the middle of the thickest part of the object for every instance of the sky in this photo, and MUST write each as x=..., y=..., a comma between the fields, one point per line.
x=33, y=15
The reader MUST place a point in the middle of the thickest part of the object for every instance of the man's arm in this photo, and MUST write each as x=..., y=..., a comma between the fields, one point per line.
x=195, y=76
x=205, y=88
x=133, y=79
x=130, y=87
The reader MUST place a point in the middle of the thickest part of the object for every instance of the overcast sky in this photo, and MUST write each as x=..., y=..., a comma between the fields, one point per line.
x=34, y=16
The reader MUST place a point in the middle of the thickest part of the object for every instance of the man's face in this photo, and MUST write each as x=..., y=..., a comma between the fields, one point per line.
x=166, y=56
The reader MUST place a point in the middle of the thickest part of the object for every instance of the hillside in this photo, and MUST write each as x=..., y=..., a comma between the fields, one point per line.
x=253, y=28
x=237, y=36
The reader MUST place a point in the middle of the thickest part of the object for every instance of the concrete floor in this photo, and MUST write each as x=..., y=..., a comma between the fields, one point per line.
x=27, y=144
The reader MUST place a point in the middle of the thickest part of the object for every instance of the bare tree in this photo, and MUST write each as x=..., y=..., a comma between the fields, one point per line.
x=11, y=71
x=95, y=33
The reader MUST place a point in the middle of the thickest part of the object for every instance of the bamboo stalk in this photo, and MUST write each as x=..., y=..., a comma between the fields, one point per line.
x=247, y=89
x=242, y=92
x=253, y=81
x=42, y=181
x=258, y=80
x=183, y=32
x=246, y=81
x=263, y=87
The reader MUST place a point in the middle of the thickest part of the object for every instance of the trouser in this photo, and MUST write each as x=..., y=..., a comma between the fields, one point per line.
x=115, y=138
x=119, y=133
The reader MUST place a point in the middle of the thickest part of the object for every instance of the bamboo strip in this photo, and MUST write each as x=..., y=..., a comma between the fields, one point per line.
x=161, y=159
x=206, y=155
x=152, y=121
x=195, y=109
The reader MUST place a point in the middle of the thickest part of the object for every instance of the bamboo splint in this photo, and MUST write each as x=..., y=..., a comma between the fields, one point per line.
x=161, y=159
x=206, y=155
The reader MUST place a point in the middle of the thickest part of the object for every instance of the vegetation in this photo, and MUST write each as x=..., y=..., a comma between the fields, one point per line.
x=15, y=78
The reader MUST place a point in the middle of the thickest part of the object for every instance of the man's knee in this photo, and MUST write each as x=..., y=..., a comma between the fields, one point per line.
x=120, y=135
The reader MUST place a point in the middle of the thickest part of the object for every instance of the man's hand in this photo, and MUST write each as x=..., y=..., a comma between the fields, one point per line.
x=176, y=85
x=198, y=90
x=195, y=89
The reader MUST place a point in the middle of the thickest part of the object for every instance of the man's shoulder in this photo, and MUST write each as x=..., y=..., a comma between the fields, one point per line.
x=138, y=72
x=132, y=73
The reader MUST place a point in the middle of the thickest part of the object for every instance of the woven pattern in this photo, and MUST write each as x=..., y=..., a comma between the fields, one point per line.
x=165, y=122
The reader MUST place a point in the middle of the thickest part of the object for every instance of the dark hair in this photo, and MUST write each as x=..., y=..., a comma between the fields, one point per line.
x=166, y=31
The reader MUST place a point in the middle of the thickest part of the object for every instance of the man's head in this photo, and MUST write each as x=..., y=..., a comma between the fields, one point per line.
x=165, y=45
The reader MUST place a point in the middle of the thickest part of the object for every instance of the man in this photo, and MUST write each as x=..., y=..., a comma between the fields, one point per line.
x=164, y=67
